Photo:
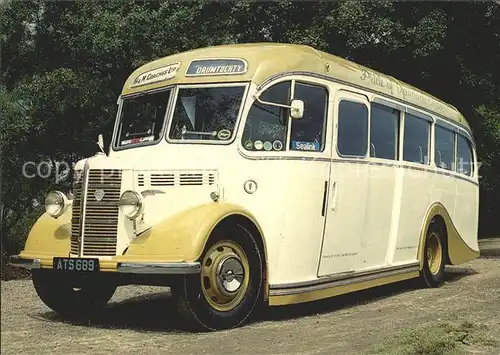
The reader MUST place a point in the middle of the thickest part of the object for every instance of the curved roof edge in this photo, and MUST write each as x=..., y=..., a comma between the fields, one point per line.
x=266, y=60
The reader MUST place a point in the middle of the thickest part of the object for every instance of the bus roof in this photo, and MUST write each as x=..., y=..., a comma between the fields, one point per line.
x=264, y=60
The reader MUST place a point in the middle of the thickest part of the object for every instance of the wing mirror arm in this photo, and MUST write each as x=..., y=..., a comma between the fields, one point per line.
x=100, y=143
x=296, y=106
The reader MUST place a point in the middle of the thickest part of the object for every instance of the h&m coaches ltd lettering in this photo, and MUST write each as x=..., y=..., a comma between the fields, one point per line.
x=216, y=67
x=156, y=75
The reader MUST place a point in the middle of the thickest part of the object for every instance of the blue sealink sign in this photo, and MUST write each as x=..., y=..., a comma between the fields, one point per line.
x=300, y=145
x=216, y=67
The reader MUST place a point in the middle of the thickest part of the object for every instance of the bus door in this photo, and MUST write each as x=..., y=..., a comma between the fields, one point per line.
x=348, y=186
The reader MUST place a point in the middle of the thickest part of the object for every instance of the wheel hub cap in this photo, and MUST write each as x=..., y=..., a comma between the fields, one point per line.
x=434, y=254
x=230, y=275
x=225, y=275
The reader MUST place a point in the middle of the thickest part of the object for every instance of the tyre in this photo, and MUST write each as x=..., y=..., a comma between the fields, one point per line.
x=434, y=255
x=227, y=289
x=59, y=293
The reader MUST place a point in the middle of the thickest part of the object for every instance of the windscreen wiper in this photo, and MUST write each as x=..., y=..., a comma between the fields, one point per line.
x=185, y=131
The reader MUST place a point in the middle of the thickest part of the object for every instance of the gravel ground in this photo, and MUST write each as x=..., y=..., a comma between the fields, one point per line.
x=140, y=320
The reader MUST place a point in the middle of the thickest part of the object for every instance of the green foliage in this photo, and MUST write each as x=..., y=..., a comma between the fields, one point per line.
x=439, y=338
x=63, y=64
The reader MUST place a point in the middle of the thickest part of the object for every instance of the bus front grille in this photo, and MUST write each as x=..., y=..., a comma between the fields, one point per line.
x=76, y=213
x=100, y=225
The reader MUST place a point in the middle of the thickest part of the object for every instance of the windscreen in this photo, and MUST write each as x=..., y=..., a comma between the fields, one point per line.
x=208, y=113
x=142, y=118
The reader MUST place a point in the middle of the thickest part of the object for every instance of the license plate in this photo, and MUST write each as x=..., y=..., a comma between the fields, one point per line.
x=76, y=264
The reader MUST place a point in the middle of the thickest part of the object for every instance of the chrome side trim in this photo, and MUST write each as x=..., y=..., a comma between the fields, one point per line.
x=15, y=260
x=396, y=164
x=160, y=268
x=340, y=280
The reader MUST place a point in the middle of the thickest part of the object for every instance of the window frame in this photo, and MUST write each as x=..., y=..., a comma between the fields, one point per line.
x=234, y=134
x=399, y=120
x=430, y=122
x=302, y=79
x=114, y=142
x=355, y=98
x=248, y=106
x=454, y=148
x=471, y=151
x=325, y=116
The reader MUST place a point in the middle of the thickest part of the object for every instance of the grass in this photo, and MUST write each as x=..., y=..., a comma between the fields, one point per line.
x=440, y=338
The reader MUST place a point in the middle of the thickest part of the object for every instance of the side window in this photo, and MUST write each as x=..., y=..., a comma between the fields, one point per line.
x=307, y=133
x=464, y=156
x=444, y=148
x=352, y=137
x=265, y=127
x=416, y=139
x=384, y=132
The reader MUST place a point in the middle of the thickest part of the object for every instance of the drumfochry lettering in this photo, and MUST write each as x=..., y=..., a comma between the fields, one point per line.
x=216, y=67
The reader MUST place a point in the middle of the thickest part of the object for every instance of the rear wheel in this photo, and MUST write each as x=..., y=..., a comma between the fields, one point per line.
x=73, y=300
x=434, y=255
x=229, y=284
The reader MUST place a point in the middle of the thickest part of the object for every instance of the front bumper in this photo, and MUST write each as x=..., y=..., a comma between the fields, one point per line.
x=15, y=260
x=182, y=268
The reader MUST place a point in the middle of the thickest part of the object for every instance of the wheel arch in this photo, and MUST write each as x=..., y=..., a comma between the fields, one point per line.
x=457, y=250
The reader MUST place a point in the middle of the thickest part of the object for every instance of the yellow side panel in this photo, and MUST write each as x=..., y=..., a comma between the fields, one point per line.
x=181, y=237
x=49, y=236
x=279, y=300
x=458, y=251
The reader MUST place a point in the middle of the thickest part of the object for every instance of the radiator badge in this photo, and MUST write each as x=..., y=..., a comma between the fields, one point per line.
x=99, y=194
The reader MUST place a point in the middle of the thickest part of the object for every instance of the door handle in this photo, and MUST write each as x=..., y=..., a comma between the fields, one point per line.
x=325, y=194
x=334, y=190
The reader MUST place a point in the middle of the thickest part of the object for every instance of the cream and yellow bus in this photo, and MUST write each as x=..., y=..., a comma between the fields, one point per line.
x=250, y=174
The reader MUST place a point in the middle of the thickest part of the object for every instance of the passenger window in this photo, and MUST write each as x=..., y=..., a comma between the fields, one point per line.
x=384, y=132
x=352, y=137
x=464, y=156
x=307, y=132
x=265, y=127
x=444, y=148
x=416, y=139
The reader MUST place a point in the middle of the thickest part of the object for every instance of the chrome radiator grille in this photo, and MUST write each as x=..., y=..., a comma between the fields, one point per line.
x=75, y=217
x=99, y=230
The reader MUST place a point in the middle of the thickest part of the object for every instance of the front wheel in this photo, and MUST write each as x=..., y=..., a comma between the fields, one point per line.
x=229, y=284
x=73, y=300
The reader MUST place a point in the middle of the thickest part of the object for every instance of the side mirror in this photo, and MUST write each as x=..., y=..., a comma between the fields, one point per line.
x=296, y=106
x=297, y=109
x=100, y=143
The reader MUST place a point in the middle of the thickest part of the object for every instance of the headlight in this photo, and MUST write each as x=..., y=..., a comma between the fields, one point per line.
x=131, y=204
x=56, y=203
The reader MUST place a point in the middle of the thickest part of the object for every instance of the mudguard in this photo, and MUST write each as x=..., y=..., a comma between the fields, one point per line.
x=182, y=237
x=48, y=237
x=458, y=250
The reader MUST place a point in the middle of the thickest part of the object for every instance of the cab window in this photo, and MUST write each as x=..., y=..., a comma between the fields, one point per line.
x=307, y=133
x=266, y=126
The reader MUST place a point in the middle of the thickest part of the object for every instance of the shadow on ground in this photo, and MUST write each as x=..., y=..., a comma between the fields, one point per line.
x=156, y=312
